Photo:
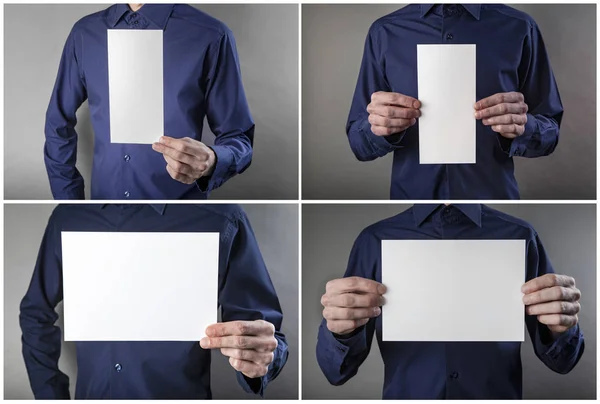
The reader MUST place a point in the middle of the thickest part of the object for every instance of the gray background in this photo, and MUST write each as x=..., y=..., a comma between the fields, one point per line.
x=333, y=37
x=267, y=40
x=568, y=233
x=276, y=229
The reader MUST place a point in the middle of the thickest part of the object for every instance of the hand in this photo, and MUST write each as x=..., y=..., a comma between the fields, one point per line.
x=187, y=159
x=349, y=303
x=554, y=299
x=391, y=113
x=506, y=113
x=248, y=344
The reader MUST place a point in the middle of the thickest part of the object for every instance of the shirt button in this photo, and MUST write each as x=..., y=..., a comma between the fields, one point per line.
x=449, y=37
x=127, y=157
x=118, y=367
x=454, y=375
x=126, y=194
x=133, y=15
x=135, y=22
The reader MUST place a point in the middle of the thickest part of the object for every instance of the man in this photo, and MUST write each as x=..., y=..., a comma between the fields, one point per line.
x=518, y=108
x=454, y=370
x=201, y=79
x=250, y=334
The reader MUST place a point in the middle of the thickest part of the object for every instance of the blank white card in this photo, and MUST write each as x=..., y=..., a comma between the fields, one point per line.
x=135, y=85
x=446, y=81
x=122, y=286
x=453, y=290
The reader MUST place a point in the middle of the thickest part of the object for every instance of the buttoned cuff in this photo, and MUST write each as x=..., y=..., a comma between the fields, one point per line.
x=258, y=385
x=382, y=144
x=531, y=136
x=223, y=167
x=341, y=347
x=562, y=348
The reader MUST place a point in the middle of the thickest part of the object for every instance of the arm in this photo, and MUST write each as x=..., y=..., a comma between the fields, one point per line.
x=41, y=338
x=350, y=315
x=541, y=95
x=228, y=114
x=60, y=149
x=558, y=349
x=248, y=294
x=371, y=79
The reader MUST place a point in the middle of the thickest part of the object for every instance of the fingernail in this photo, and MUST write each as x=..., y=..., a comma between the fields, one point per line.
x=381, y=289
x=377, y=311
x=413, y=121
x=161, y=139
x=477, y=114
x=416, y=104
x=205, y=342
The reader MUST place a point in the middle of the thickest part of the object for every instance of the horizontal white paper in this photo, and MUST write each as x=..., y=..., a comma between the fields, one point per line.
x=121, y=286
x=446, y=81
x=135, y=85
x=453, y=290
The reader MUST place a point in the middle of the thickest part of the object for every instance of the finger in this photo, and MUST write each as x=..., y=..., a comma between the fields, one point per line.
x=517, y=130
x=352, y=300
x=499, y=98
x=354, y=284
x=344, y=313
x=390, y=111
x=258, y=327
x=558, y=319
x=250, y=369
x=345, y=326
x=501, y=109
x=261, y=344
x=180, y=177
x=401, y=100
x=174, y=153
x=183, y=145
x=262, y=358
x=552, y=294
x=557, y=307
x=508, y=119
x=377, y=120
x=547, y=281
x=180, y=167
x=386, y=131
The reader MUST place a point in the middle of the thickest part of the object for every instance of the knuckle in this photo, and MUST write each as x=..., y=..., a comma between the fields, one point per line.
x=324, y=300
x=242, y=328
x=272, y=344
x=349, y=300
x=329, y=286
x=241, y=341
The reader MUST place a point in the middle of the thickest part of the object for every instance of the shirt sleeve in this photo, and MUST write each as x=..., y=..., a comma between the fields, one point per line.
x=561, y=354
x=41, y=338
x=228, y=115
x=365, y=145
x=541, y=96
x=60, y=149
x=247, y=293
x=340, y=356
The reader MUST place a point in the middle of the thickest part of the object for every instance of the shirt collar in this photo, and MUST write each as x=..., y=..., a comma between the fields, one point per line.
x=474, y=9
x=423, y=211
x=159, y=208
x=156, y=13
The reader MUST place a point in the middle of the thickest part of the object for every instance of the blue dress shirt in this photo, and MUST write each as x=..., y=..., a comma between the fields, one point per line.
x=510, y=57
x=201, y=79
x=149, y=370
x=454, y=370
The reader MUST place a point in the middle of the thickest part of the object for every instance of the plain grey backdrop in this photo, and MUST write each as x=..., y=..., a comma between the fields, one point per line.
x=267, y=41
x=276, y=230
x=333, y=37
x=568, y=233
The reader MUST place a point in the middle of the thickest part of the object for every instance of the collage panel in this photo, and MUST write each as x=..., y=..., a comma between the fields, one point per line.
x=449, y=101
x=81, y=321
x=196, y=98
x=513, y=317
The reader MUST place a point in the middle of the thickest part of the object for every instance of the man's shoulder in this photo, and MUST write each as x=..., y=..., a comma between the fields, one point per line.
x=490, y=215
x=199, y=19
x=398, y=16
x=502, y=10
x=382, y=229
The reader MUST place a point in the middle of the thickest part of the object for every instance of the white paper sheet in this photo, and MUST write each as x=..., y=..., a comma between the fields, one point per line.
x=122, y=286
x=446, y=80
x=453, y=290
x=135, y=85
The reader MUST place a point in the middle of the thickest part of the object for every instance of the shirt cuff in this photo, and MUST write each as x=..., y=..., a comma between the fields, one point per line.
x=258, y=385
x=518, y=146
x=383, y=144
x=565, y=346
x=223, y=163
x=341, y=347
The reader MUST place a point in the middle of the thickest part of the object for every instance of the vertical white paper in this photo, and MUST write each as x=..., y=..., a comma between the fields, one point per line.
x=121, y=286
x=446, y=81
x=453, y=290
x=135, y=85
